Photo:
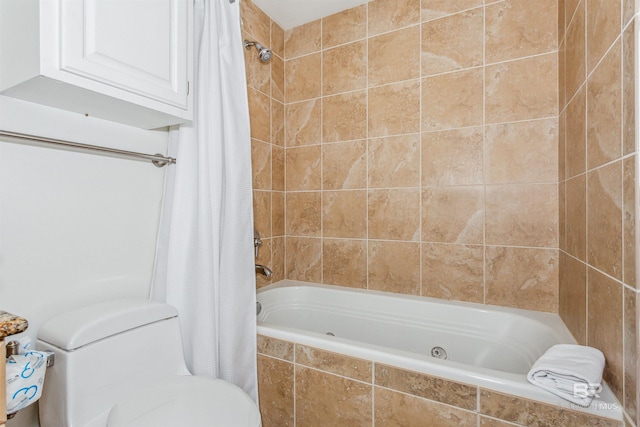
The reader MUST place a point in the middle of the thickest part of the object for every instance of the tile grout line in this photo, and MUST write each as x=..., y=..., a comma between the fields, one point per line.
x=366, y=149
x=421, y=290
x=321, y=155
x=484, y=157
x=586, y=168
x=622, y=51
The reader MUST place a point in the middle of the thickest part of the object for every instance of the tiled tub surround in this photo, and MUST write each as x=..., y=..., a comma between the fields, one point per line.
x=597, y=174
x=421, y=150
x=265, y=89
x=416, y=146
x=490, y=351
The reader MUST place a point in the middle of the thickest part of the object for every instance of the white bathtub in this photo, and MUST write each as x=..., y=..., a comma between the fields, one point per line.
x=487, y=346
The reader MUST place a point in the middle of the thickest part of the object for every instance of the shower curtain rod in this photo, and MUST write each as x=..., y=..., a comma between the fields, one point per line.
x=157, y=159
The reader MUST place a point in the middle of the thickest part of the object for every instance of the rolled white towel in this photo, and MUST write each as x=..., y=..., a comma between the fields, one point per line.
x=573, y=372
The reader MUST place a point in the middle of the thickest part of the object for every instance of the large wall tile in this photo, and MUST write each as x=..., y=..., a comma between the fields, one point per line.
x=629, y=89
x=576, y=141
x=524, y=152
x=344, y=214
x=344, y=117
x=394, y=109
x=452, y=43
x=394, y=161
x=453, y=214
x=277, y=168
x=277, y=259
x=522, y=278
x=277, y=39
x=629, y=221
x=576, y=217
x=275, y=380
x=576, y=51
x=302, y=40
x=303, y=259
x=603, y=26
x=453, y=157
x=452, y=100
x=522, y=89
x=509, y=31
x=277, y=123
x=604, y=104
x=573, y=296
x=261, y=165
x=630, y=326
x=260, y=113
x=344, y=262
x=335, y=363
x=344, y=68
x=277, y=77
x=394, y=56
x=429, y=387
x=388, y=15
x=394, y=266
x=261, y=210
x=531, y=413
x=303, y=168
x=302, y=77
x=394, y=214
x=605, y=320
x=303, y=123
x=326, y=399
x=303, y=214
x=522, y=215
x=344, y=165
x=344, y=27
x=255, y=22
x=454, y=272
x=604, y=219
x=277, y=213
x=274, y=347
x=393, y=409
x=258, y=74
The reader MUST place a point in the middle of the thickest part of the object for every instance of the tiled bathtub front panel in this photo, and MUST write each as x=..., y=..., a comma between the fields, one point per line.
x=306, y=387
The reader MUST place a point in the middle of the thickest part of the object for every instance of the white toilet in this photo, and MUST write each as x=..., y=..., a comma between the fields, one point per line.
x=120, y=363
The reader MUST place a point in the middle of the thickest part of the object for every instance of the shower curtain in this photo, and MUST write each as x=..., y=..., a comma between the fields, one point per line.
x=204, y=260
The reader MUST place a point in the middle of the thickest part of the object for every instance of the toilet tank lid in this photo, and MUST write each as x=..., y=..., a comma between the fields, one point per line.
x=85, y=325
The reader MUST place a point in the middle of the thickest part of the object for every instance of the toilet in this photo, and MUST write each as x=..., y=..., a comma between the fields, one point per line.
x=120, y=363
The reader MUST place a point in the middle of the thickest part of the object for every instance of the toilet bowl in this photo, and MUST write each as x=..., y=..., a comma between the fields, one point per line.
x=185, y=400
x=120, y=363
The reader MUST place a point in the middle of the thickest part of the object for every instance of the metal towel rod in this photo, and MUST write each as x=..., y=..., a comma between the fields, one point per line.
x=157, y=159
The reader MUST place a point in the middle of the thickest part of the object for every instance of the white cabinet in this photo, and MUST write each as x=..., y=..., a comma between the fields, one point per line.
x=128, y=61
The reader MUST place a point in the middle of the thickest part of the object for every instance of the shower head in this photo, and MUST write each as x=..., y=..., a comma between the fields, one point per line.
x=264, y=53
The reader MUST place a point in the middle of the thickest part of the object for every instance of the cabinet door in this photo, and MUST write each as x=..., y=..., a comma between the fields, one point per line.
x=136, y=45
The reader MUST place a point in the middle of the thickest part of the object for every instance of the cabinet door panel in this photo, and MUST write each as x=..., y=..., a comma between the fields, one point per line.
x=136, y=45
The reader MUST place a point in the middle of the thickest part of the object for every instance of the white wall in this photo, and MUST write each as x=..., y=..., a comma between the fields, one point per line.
x=74, y=228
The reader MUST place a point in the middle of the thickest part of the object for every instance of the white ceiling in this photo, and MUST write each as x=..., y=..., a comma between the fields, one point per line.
x=292, y=13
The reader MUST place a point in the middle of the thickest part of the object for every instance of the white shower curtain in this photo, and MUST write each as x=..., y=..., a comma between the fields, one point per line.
x=204, y=261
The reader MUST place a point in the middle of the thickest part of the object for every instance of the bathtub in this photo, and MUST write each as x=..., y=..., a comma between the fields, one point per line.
x=487, y=346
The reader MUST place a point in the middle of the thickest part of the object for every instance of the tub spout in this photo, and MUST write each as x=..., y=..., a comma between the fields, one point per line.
x=265, y=271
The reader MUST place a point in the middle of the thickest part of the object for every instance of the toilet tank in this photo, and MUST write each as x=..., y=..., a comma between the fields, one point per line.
x=101, y=352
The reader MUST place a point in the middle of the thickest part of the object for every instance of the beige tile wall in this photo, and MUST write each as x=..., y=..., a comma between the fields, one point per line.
x=307, y=386
x=597, y=175
x=421, y=150
x=265, y=86
x=415, y=147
